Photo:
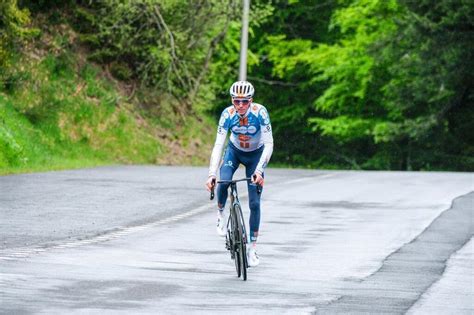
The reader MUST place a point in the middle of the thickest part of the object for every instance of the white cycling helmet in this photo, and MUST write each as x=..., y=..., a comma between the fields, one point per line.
x=242, y=89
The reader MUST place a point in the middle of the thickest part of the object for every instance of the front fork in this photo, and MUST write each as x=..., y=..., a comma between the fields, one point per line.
x=229, y=244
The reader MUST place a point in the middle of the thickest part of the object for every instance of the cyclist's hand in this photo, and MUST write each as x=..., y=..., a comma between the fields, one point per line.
x=257, y=178
x=210, y=183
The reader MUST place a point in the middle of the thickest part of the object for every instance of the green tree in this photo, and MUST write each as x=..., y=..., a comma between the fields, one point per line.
x=429, y=96
x=390, y=84
x=13, y=31
x=168, y=45
x=284, y=84
x=352, y=105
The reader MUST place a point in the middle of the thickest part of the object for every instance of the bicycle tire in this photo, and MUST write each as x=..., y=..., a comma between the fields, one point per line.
x=235, y=241
x=242, y=248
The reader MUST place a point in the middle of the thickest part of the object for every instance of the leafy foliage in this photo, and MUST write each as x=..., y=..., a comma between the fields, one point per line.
x=389, y=80
x=362, y=84
x=284, y=84
x=165, y=44
x=13, y=32
x=430, y=84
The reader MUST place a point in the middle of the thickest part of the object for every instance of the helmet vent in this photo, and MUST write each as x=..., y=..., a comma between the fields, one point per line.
x=242, y=89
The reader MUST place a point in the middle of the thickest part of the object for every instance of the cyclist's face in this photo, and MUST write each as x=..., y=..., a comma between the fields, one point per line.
x=241, y=104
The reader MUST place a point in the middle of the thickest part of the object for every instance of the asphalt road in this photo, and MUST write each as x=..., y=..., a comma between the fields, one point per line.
x=142, y=240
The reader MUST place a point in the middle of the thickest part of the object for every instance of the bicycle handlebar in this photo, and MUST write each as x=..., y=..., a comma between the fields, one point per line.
x=259, y=187
x=234, y=180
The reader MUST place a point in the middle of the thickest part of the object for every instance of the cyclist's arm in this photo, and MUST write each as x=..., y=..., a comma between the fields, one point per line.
x=267, y=137
x=218, y=145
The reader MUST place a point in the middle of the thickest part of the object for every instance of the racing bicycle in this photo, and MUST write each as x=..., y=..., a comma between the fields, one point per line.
x=236, y=237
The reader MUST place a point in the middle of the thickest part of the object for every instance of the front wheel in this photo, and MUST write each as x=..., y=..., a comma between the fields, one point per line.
x=234, y=236
x=242, y=246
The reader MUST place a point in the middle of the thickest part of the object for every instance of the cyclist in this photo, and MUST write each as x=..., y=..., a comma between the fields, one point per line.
x=250, y=144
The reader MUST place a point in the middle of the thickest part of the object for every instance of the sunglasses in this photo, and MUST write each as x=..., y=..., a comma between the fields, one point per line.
x=237, y=101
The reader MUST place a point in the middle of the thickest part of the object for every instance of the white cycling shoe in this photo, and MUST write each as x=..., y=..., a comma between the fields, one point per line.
x=221, y=224
x=252, y=257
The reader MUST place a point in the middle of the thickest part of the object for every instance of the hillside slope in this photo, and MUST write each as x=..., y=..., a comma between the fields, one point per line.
x=57, y=110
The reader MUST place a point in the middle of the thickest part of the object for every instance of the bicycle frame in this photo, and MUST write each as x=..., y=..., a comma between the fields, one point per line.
x=234, y=197
x=234, y=200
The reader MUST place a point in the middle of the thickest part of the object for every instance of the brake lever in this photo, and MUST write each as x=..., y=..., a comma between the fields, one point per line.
x=259, y=187
x=212, y=189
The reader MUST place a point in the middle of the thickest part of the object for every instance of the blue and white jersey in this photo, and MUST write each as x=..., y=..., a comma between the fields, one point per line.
x=247, y=133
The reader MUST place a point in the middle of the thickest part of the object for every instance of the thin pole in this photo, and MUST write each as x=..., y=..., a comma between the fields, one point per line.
x=244, y=41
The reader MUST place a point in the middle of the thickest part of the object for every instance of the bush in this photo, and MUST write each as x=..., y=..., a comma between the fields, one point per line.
x=13, y=32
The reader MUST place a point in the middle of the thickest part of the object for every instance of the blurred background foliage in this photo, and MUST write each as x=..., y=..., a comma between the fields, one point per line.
x=351, y=84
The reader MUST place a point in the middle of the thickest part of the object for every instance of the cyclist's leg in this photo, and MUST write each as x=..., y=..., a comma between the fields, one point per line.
x=254, y=205
x=254, y=197
x=229, y=165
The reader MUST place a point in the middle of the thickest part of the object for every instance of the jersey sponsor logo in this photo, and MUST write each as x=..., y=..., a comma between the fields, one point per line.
x=229, y=164
x=254, y=107
x=245, y=145
x=244, y=138
x=231, y=111
x=244, y=129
